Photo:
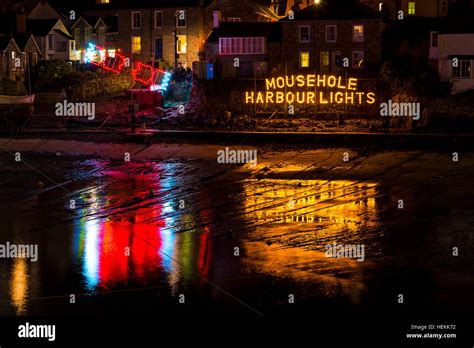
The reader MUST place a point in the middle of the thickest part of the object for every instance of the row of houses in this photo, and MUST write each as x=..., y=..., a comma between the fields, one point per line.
x=248, y=37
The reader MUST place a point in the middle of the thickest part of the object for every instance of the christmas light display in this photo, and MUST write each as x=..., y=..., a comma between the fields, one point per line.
x=115, y=62
x=164, y=83
x=280, y=90
x=108, y=60
x=145, y=74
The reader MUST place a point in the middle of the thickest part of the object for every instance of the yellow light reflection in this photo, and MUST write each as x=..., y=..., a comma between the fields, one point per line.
x=296, y=219
x=19, y=286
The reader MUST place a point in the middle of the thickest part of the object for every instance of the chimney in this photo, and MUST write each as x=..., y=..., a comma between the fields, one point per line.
x=21, y=22
x=217, y=19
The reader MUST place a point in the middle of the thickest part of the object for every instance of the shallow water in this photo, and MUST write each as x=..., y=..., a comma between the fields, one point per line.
x=141, y=234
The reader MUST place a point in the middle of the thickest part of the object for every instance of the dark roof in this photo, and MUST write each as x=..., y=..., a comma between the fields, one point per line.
x=21, y=40
x=5, y=41
x=111, y=22
x=91, y=5
x=270, y=30
x=416, y=26
x=335, y=10
x=40, y=27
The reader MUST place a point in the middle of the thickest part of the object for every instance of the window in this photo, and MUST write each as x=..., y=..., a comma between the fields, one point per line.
x=101, y=36
x=304, y=59
x=181, y=45
x=88, y=33
x=358, y=33
x=324, y=60
x=51, y=42
x=434, y=39
x=181, y=19
x=331, y=33
x=13, y=64
x=411, y=8
x=304, y=33
x=158, y=48
x=233, y=19
x=102, y=1
x=136, y=20
x=242, y=45
x=62, y=46
x=158, y=19
x=136, y=44
x=463, y=70
x=380, y=6
x=358, y=59
x=77, y=34
x=72, y=46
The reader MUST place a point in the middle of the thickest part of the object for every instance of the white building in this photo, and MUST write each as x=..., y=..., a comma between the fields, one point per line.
x=455, y=56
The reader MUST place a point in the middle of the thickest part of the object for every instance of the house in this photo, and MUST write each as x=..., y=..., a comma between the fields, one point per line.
x=410, y=8
x=244, y=49
x=54, y=40
x=43, y=10
x=424, y=8
x=30, y=50
x=167, y=32
x=100, y=31
x=411, y=39
x=11, y=66
x=333, y=36
x=454, y=52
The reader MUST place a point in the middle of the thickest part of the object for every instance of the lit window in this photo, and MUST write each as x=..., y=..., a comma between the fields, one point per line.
x=331, y=33
x=434, y=39
x=181, y=19
x=181, y=45
x=304, y=59
x=103, y=2
x=380, y=6
x=411, y=8
x=233, y=19
x=13, y=66
x=158, y=19
x=304, y=33
x=136, y=44
x=325, y=59
x=136, y=20
x=111, y=53
x=358, y=59
x=463, y=70
x=358, y=33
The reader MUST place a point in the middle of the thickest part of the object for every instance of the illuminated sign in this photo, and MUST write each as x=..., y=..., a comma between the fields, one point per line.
x=313, y=90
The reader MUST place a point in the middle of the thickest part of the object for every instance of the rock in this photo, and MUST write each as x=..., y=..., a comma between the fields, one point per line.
x=227, y=116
